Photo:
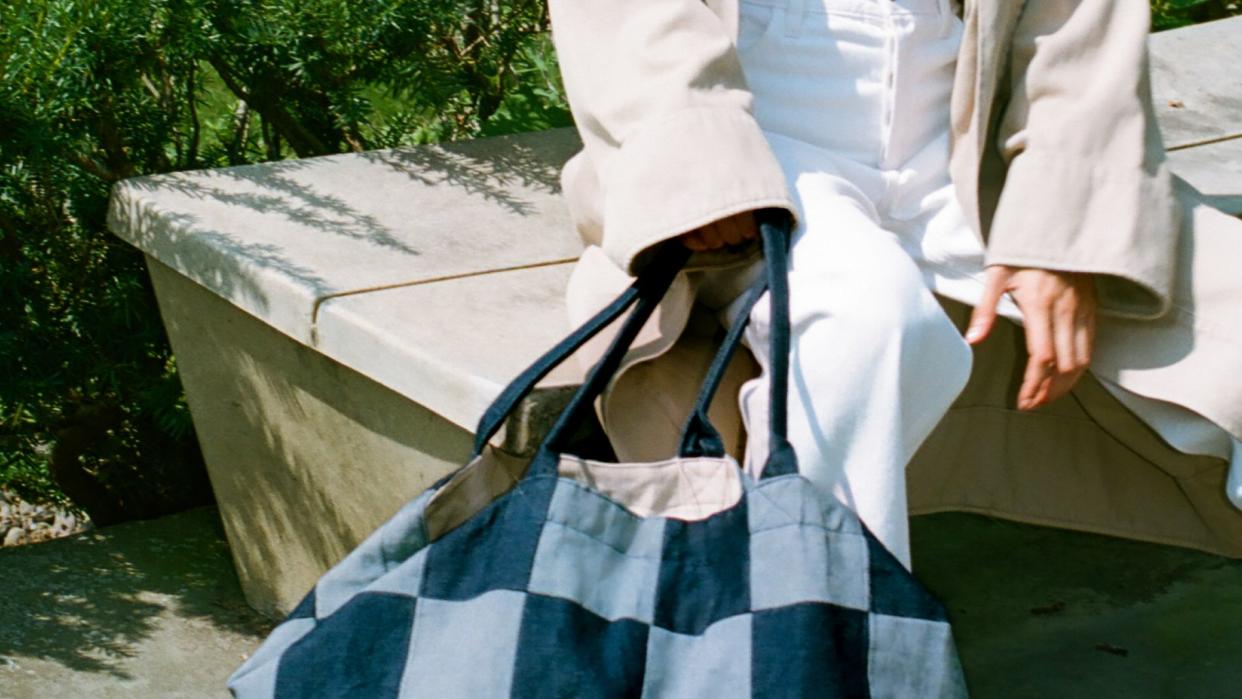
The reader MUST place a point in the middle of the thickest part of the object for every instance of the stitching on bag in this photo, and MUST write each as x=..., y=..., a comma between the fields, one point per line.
x=758, y=491
x=694, y=495
x=601, y=542
x=793, y=522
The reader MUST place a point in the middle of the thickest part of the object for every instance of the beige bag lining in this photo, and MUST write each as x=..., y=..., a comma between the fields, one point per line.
x=687, y=489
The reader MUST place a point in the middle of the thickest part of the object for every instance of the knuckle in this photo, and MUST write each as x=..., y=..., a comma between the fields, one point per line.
x=1041, y=356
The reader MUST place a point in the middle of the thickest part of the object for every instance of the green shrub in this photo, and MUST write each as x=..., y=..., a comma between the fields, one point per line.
x=1170, y=14
x=94, y=91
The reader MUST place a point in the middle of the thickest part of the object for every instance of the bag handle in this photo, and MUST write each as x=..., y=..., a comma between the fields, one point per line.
x=774, y=228
x=649, y=296
x=645, y=292
x=699, y=437
x=644, y=295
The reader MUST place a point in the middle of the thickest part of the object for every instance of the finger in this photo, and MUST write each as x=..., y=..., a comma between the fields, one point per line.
x=731, y=230
x=1064, y=326
x=1040, y=397
x=694, y=241
x=1061, y=384
x=984, y=315
x=1084, y=338
x=1041, y=362
x=711, y=236
x=750, y=230
x=1084, y=344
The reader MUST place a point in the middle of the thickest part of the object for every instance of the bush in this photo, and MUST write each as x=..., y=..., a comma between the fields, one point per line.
x=1170, y=14
x=94, y=91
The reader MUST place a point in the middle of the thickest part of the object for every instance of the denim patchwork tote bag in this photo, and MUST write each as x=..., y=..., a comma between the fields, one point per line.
x=559, y=576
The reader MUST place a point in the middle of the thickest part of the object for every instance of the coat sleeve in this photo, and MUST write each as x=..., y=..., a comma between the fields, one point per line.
x=1087, y=188
x=670, y=143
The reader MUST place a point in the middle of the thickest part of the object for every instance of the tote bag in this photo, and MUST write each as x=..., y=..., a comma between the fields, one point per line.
x=559, y=576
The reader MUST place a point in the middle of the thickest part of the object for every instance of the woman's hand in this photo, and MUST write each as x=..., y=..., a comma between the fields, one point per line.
x=1058, y=311
x=731, y=230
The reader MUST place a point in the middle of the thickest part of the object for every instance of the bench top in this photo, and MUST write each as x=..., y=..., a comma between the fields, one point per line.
x=435, y=270
x=1197, y=89
x=439, y=270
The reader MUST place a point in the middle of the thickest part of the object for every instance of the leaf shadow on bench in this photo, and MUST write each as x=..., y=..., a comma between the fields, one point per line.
x=199, y=221
x=489, y=168
x=91, y=601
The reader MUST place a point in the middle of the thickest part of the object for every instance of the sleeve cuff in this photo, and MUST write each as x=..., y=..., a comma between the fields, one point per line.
x=683, y=171
x=1062, y=213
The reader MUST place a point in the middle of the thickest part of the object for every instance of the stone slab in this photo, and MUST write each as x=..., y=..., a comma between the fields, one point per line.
x=1215, y=170
x=453, y=345
x=1197, y=82
x=276, y=239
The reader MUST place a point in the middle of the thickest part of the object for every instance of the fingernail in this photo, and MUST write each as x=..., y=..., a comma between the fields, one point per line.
x=973, y=333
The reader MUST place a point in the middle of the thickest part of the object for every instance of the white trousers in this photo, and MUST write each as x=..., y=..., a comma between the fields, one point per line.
x=853, y=96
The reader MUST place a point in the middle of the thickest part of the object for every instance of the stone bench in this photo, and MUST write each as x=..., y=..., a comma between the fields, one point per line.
x=341, y=322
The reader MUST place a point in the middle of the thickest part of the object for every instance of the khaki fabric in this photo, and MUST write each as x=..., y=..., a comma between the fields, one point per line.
x=1058, y=163
x=690, y=489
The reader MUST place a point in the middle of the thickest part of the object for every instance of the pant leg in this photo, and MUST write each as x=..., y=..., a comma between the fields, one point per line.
x=875, y=361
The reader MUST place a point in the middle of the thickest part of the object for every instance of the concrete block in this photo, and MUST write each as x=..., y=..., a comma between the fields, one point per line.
x=454, y=345
x=1196, y=82
x=306, y=456
x=1215, y=169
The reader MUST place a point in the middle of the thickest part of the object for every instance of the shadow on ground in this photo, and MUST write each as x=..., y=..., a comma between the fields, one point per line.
x=140, y=609
x=152, y=609
x=1041, y=612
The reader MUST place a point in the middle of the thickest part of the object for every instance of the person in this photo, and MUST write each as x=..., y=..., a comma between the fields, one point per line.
x=857, y=117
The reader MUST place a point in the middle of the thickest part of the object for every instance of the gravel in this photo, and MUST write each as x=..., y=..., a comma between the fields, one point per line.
x=22, y=522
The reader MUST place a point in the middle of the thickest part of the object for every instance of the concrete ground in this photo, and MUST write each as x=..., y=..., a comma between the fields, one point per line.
x=1041, y=612
x=152, y=609
x=146, y=609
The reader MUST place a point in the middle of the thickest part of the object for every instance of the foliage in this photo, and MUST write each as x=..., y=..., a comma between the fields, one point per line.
x=94, y=91
x=1170, y=14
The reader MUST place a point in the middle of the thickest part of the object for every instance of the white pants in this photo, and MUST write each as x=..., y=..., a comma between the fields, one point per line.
x=853, y=96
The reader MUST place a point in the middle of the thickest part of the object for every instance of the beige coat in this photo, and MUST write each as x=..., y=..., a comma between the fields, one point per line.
x=1057, y=160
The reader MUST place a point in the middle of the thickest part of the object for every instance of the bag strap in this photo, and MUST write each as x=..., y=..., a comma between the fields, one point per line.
x=699, y=437
x=644, y=295
x=781, y=458
x=645, y=292
x=658, y=278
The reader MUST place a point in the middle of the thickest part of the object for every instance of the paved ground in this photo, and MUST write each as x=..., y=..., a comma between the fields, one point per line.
x=152, y=609
x=147, y=609
x=1043, y=612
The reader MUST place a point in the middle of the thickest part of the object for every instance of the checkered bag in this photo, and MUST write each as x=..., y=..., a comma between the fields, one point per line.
x=560, y=576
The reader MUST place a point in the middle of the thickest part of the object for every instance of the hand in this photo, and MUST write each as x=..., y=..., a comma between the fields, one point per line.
x=1058, y=311
x=731, y=230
